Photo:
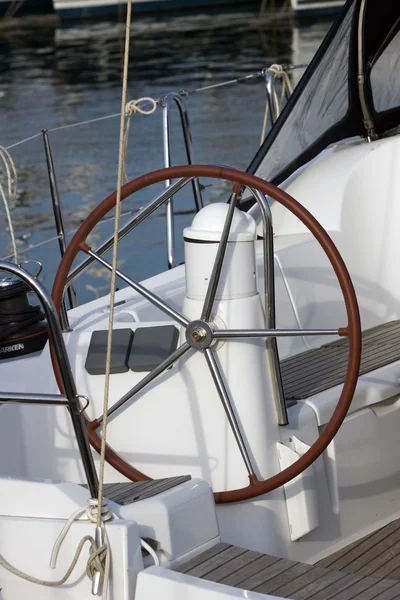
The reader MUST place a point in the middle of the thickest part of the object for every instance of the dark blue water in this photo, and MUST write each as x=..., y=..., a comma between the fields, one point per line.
x=52, y=77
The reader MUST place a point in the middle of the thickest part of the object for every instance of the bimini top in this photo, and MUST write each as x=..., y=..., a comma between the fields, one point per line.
x=351, y=88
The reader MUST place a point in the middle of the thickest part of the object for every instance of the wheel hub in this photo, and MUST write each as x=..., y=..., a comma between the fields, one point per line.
x=199, y=335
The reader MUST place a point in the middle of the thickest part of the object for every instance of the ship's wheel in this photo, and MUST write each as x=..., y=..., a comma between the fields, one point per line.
x=201, y=334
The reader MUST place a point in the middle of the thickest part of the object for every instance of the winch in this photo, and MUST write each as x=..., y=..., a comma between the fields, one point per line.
x=23, y=328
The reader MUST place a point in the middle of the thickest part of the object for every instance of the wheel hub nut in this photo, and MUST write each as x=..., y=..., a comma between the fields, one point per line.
x=199, y=335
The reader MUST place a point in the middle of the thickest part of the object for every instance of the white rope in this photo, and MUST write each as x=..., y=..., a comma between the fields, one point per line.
x=99, y=558
x=99, y=519
x=31, y=579
x=205, y=88
x=131, y=108
x=114, y=259
x=10, y=195
x=279, y=73
x=90, y=512
x=151, y=551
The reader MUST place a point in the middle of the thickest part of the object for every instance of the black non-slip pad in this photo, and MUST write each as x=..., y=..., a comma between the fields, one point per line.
x=151, y=346
x=97, y=353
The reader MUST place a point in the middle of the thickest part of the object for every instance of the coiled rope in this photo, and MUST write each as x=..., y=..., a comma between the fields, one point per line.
x=93, y=553
x=99, y=557
x=12, y=321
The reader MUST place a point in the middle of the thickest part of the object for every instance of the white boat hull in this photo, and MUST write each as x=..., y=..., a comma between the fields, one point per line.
x=88, y=8
x=312, y=7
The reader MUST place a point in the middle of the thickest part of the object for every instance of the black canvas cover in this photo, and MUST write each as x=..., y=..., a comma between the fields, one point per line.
x=327, y=105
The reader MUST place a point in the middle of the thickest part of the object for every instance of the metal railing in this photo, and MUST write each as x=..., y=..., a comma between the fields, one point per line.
x=166, y=104
x=70, y=398
x=59, y=223
x=269, y=295
x=271, y=77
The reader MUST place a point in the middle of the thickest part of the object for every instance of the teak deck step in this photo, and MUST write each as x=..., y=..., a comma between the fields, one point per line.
x=127, y=492
x=257, y=572
x=320, y=369
x=377, y=554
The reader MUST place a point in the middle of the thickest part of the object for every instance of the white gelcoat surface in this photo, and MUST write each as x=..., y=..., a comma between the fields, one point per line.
x=238, y=275
x=301, y=492
x=317, y=6
x=27, y=544
x=156, y=582
x=209, y=223
x=181, y=519
x=44, y=498
x=179, y=426
x=61, y=5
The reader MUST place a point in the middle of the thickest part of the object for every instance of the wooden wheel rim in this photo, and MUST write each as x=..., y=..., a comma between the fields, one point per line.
x=352, y=331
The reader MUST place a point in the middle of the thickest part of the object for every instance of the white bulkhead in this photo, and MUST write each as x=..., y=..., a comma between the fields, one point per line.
x=243, y=362
x=238, y=278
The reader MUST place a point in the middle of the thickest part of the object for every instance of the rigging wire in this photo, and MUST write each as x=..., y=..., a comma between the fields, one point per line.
x=140, y=106
x=100, y=522
x=183, y=92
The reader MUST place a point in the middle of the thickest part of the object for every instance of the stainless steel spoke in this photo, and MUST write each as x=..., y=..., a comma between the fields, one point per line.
x=132, y=223
x=25, y=398
x=266, y=333
x=168, y=362
x=219, y=259
x=226, y=403
x=164, y=306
